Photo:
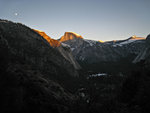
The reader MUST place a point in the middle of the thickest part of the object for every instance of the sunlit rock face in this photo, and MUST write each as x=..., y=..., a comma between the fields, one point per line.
x=64, y=50
x=52, y=42
x=70, y=36
x=134, y=37
x=71, y=39
x=101, y=41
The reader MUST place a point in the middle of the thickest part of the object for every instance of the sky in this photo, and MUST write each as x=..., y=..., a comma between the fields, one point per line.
x=92, y=19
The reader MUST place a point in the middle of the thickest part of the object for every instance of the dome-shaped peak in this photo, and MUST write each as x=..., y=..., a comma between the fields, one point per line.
x=70, y=36
x=73, y=33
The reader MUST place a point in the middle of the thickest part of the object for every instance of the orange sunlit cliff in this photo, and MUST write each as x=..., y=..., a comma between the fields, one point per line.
x=134, y=37
x=101, y=41
x=52, y=42
x=70, y=36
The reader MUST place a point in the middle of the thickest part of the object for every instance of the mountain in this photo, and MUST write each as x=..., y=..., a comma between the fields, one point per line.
x=63, y=49
x=39, y=74
x=33, y=74
x=100, y=55
x=25, y=44
x=70, y=36
x=144, y=55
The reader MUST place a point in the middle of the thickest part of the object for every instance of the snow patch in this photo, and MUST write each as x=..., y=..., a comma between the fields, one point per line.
x=65, y=45
x=72, y=49
x=123, y=43
x=97, y=75
x=81, y=58
x=91, y=42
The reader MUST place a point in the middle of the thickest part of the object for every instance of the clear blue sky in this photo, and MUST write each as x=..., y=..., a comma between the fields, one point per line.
x=93, y=19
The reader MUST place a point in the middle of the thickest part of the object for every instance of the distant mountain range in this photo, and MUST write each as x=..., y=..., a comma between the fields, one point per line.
x=98, y=56
x=102, y=56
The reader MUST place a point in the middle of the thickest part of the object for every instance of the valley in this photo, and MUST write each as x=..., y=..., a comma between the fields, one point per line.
x=72, y=74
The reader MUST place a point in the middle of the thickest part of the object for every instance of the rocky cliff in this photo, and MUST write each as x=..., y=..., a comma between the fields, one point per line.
x=52, y=42
x=62, y=48
x=70, y=36
x=144, y=54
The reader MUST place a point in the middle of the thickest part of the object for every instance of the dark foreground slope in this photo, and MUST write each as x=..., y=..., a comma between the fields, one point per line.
x=28, y=68
x=27, y=91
